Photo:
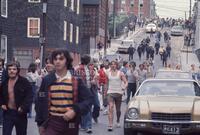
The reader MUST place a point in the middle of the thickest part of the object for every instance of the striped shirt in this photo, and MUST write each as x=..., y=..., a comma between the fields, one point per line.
x=61, y=95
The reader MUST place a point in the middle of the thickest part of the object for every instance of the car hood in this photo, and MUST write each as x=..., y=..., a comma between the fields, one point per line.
x=166, y=104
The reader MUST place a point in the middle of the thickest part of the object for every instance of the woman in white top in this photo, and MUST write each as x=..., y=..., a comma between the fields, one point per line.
x=115, y=92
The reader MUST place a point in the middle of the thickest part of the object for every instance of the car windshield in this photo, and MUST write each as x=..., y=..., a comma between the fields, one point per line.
x=111, y=57
x=167, y=74
x=169, y=88
x=177, y=28
x=151, y=25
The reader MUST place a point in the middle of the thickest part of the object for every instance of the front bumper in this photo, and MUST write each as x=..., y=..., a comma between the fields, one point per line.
x=156, y=126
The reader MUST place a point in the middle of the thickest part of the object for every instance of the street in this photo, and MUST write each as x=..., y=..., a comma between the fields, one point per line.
x=101, y=127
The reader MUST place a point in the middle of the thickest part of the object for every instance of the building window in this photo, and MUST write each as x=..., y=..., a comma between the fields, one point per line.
x=78, y=6
x=34, y=1
x=77, y=35
x=33, y=27
x=3, y=50
x=4, y=8
x=72, y=5
x=65, y=3
x=71, y=33
x=65, y=31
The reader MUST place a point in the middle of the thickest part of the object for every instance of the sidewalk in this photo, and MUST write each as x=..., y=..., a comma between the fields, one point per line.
x=188, y=58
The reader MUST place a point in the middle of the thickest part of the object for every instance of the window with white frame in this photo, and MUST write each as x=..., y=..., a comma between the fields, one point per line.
x=71, y=33
x=77, y=35
x=65, y=31
x=65, y=3
x=4, y=47
x=78, y=7
x=72, y=5
x=33, y=29
x=4, y=8
x=34, y=1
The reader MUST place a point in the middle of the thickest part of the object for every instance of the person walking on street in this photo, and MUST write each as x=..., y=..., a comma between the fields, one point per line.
x=62, y=98
x=3, y=77
x=131, y=51
x=114, y=93
x=132, y=77
x=157, y=46
x=15, y=100
x=87, y=75
x=161, y=51
x=32, y=77
x=142, y=73
x=94, y=88
x=139, y=50
x=164, y=60
x=103, y=82
x=168, y=50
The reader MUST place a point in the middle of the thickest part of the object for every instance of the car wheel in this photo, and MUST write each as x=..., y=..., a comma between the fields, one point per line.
x=129, y=132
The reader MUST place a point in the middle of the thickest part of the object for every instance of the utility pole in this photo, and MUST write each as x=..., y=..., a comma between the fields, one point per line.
x=114, y=22
x=106, y=29
x=185, y=15
x=43, y=35
x=190, y=20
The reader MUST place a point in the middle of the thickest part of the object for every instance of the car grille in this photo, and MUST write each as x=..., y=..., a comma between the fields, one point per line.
x=171, y=117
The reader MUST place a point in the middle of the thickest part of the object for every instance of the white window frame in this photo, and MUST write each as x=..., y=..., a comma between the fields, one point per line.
x=65, y=31
x=72, y=5
x=71, y=33
x=33, y=1
x=77, y=34
x=6, y=45
x=28, y=27
x=6, y=14
x=78, y=7
x=65, y=3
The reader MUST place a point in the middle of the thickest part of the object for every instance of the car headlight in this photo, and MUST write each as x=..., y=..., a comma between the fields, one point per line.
x=133, y=113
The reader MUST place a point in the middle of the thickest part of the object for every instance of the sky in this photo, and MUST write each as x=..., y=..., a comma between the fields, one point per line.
x=173, y=8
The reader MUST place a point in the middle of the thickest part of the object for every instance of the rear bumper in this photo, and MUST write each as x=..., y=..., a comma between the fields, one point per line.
x=154, y=126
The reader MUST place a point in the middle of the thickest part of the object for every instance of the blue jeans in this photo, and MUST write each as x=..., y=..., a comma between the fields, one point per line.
x=12, y=118
x=96, y=104
x=1, y=116
x=86, y=120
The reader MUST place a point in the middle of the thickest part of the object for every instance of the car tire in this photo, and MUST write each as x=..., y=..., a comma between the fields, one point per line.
x=130, y=132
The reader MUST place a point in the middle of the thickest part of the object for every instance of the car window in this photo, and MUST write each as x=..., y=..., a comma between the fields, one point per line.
x=169, y=88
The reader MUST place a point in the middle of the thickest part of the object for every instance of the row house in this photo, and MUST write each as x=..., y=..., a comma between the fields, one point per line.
x=62, y=27
x=5, y=30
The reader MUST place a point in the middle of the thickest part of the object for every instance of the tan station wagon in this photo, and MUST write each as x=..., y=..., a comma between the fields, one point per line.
x=164, y=106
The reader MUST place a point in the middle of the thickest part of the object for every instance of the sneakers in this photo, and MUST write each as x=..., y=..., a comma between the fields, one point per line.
x=110, y=128
x=118, y=125
x=105, y=112
x=89, y=131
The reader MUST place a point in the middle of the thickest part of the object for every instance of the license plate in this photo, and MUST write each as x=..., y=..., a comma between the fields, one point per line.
x=171, y=129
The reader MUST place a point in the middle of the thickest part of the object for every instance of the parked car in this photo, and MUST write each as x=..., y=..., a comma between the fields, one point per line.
x=125, y=44
x=177, y=30
x=172, y=74
x=151, y=27
x=164, y=106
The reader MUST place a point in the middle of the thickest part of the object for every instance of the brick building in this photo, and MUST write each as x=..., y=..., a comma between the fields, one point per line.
x=132, y=7
x=94, y=24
